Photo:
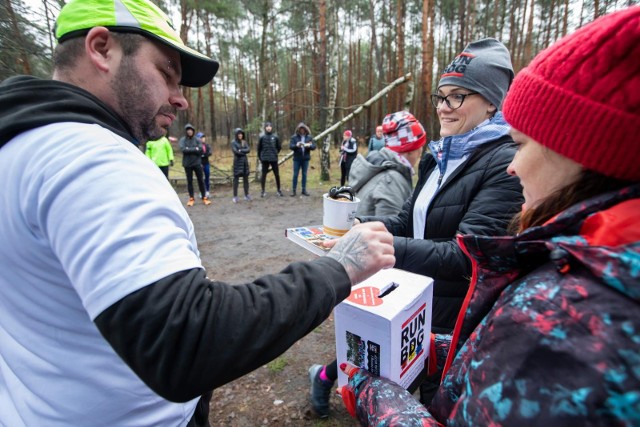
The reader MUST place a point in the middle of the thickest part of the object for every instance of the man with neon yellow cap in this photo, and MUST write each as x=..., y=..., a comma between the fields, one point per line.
x=106, y=314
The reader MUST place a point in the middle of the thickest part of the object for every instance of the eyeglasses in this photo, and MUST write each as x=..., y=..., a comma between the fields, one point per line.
x=453, y=100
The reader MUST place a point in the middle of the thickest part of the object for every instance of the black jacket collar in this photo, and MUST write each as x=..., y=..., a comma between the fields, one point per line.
x=27, y=103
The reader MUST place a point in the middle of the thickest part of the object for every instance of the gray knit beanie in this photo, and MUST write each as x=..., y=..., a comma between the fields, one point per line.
x=484, y=66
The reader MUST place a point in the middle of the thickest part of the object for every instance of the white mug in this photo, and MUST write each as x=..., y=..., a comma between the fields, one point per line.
x=338, y=215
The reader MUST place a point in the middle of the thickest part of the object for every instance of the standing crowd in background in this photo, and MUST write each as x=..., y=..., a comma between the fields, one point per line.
x=194, y=147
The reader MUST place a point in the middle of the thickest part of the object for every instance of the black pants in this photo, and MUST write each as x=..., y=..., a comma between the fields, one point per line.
x=331, y=370
x=245, y=183
x=189, y=170
x=265, y=170
x=200, y=417
x=165, y=170
x=345, y=167
x=429, y=388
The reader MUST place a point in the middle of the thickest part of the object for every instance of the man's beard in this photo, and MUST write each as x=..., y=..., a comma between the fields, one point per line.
x=132, y=94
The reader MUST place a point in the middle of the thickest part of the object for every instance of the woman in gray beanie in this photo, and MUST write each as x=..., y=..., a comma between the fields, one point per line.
x=463, y=187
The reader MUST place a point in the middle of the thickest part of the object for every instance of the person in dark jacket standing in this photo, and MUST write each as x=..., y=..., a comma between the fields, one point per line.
x=550, y=331
x=118, y=318
x=192, y=151
x=268, y=148
x=206, y=166
x=348, y=153
x=240, y=148
x=463, y=187
x=302, y=144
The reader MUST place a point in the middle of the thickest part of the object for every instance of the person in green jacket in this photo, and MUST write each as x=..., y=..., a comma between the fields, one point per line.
x=161, y=153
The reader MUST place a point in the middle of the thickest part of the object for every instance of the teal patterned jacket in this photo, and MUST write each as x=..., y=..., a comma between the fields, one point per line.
x=549, y=334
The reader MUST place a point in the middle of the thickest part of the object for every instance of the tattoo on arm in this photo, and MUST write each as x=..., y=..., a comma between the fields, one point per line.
x=351, y=254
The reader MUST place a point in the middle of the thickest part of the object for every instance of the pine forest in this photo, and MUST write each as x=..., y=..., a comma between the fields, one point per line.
x=318, y=61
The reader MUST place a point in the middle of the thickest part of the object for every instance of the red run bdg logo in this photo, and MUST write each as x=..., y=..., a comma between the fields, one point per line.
x=459, y=65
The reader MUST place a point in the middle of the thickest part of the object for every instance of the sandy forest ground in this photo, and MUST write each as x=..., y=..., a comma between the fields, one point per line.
x=238, y=243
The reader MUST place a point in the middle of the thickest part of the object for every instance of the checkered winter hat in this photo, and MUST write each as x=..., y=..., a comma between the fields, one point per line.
x=402, y=132
x=581, y=96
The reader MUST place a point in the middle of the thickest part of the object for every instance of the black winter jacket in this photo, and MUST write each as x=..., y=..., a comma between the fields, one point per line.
x=191, y=151
x=240, y=151
x=268, y=147
x=302, y=152
x=478, y=198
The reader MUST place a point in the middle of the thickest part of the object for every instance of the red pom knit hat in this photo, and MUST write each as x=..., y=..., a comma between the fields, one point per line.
x=581, y=96
x=402, y=132
x=347, y=133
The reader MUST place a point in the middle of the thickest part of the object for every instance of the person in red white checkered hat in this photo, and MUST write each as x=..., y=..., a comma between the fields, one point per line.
x=402, y=132
x=383, y=179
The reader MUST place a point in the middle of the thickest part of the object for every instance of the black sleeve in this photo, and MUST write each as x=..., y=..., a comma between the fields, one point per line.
x=185, y=334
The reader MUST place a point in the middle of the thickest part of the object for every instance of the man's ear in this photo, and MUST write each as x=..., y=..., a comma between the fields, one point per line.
x=492, y=109
x=102, y=49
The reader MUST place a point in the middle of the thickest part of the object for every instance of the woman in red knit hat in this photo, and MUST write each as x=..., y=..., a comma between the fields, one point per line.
x=550, y=330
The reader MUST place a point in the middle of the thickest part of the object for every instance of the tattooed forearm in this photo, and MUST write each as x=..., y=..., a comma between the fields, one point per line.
x=363, y=251
x=351, y=253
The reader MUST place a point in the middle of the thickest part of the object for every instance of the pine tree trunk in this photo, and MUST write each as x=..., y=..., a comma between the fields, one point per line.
x=400, y=56
x=325, y=158
x=24, y=59
x=210, y=126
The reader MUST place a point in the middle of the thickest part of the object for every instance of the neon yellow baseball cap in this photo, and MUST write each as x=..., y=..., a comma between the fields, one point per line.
x=135, y=16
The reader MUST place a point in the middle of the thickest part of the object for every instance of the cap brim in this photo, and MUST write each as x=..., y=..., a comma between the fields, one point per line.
x=197, y=69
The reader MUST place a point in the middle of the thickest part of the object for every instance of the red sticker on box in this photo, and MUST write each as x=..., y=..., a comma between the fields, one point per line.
x=366, y=296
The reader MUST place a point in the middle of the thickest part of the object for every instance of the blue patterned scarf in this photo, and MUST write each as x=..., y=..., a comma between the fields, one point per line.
x=456, y=147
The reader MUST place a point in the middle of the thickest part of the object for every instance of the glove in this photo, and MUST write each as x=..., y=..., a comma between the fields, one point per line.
x=170, y=162
x=378, y=401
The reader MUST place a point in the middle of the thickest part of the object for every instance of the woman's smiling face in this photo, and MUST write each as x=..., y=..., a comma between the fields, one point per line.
x=473, y=111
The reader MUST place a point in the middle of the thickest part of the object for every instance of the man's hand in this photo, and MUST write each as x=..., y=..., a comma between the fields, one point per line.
x=363, y=251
